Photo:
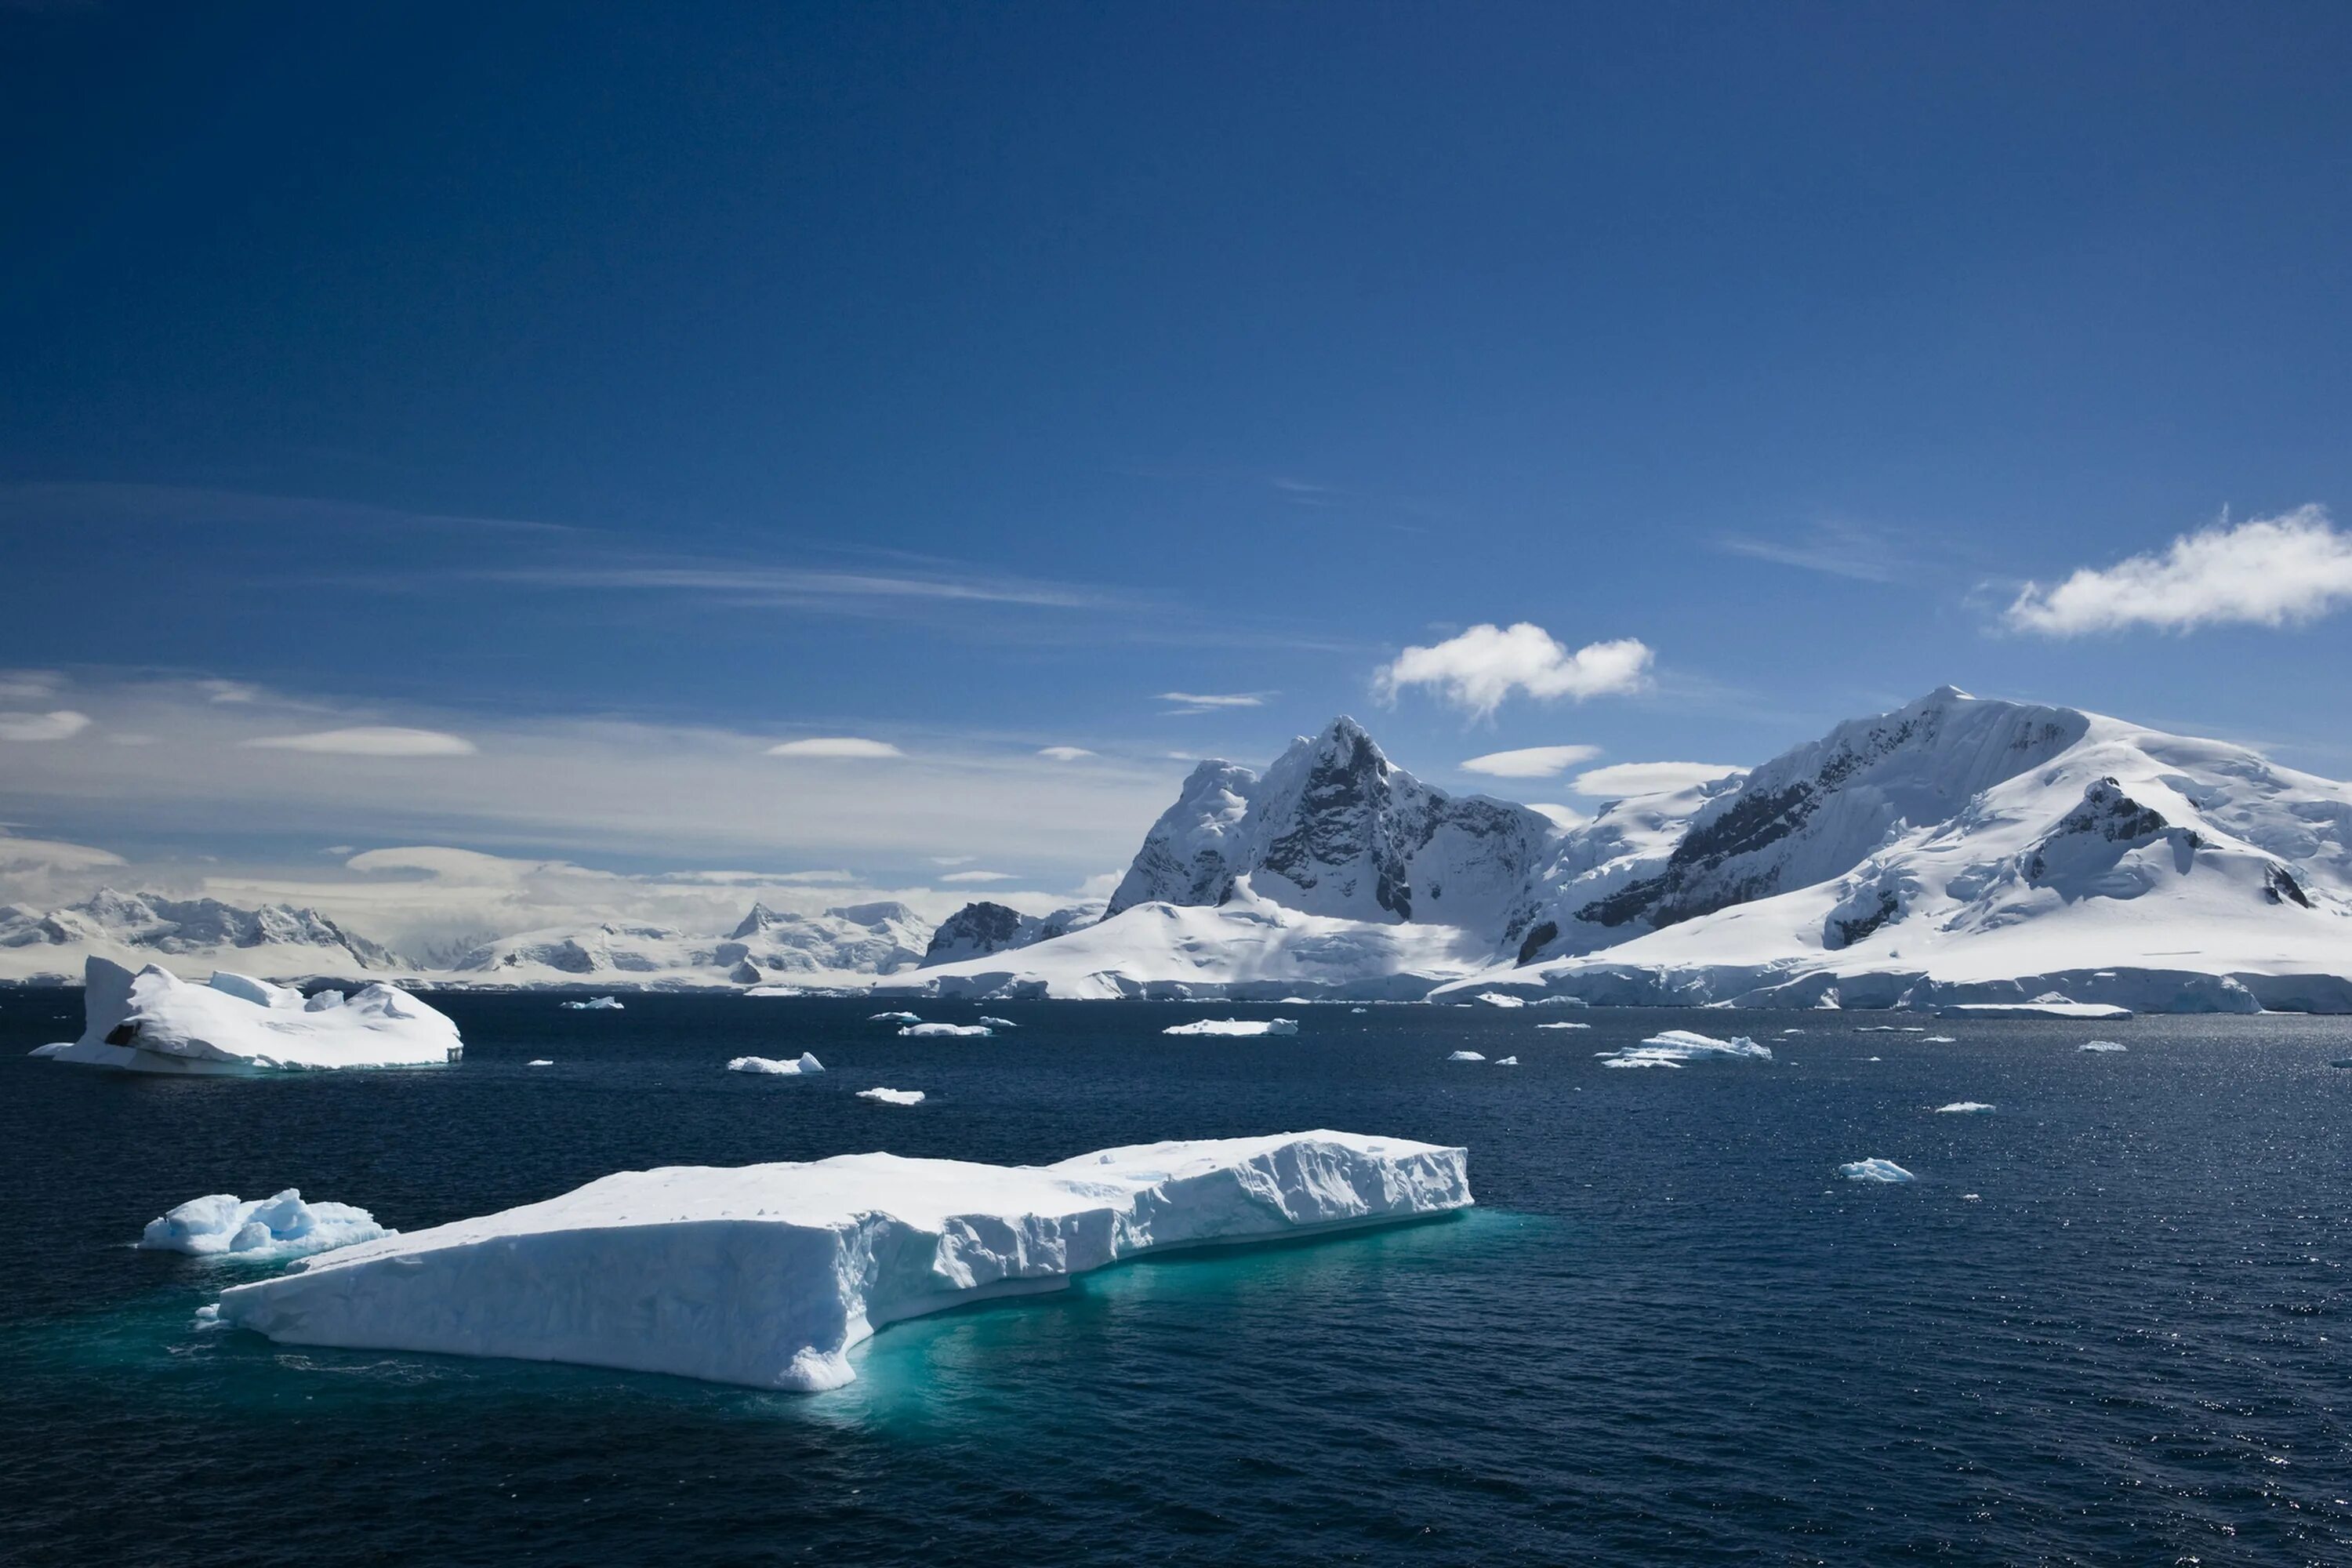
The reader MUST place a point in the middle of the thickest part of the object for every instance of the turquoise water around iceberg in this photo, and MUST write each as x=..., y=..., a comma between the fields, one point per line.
x=1671, y=1333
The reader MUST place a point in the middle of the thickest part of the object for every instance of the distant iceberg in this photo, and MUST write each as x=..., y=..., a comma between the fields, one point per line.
x=1466, y=1056
x=1234, y=1027
x=539, y=1062
x=1963, y=1108
x=2103, y=1046
x=595, y=1004
x=892, y=1096
x=894, y=1018
x=1506, y=1061
x=998, y=1023
x=1876, y=1171
x=156, y=1022
x=935, y=1031
x=767, y=1275
x=1675, y=1047
x=806, y=1064
x=264, y=1230
x=1501, y=999
x=1563, y=1024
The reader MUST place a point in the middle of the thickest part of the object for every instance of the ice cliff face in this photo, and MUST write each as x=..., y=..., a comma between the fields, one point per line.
x=982, y=928
x=278, y=938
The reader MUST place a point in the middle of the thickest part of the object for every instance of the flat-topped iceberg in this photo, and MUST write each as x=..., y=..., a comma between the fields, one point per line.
x=1235, y=1026
x=262, y=1230
x=800, y=1066
x=892, y=1096
x=156, y=1022
x=1675, y=1048
x=767, y=1275
x=943, y=1031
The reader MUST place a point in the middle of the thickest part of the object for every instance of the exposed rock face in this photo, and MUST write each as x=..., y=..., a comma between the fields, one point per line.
x=981, y=928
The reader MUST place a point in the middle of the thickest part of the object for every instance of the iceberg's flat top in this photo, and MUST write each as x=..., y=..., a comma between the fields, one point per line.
x=156, y=1022
x=766, y=1275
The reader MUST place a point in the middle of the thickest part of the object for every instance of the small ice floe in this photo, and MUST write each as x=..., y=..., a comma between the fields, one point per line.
x=2102, y=1046
x=1355, y=1009
x=1676, y=1047
x=1876, y=1171
x=1466, y=1057
x=1506, y=1061
x=1234, y=1027
x=1971, y=1197
x=943, y=1031
x=1792, y=1031
x=892, y=1096
x=540, y=1062
x=1963, y=1108
x=1871, y=1058
x=595, y=1004
x=1501, y=999
x=1875, y=1029
x=894, y=1018
x=998, y=1023
x=266, y=1230
x=1564, y=1024
x=804, y=1065
x=1939, y=1040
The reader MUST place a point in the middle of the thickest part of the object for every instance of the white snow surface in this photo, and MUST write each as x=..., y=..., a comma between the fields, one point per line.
x=1676, y=1047
x=804, y=1063
x=280, y=941
x=156, y=1022
x=892, y=1096
x=766, y=1276
x=260, y=1231
x=927, y=1031
x=1875, y=1170
x=1237, y=1027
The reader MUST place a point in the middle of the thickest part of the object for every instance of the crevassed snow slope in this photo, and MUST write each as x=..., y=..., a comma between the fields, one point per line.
x=156, y=1022
x=767, y=1275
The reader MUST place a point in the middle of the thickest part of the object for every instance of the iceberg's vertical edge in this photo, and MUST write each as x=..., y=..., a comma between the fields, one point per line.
x=767, y=1275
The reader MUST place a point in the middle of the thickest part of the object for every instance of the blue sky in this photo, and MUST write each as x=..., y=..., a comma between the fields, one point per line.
x=595, y=387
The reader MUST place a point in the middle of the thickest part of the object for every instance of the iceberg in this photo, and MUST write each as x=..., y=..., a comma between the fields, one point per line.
x=156, y=1022
x=1501, y=999
x=595, y=1004
x=1963, y=1108
x=766, y=1276
x=1676, y=1047
x=2102, y=1046
x=1876, y=1171
x=999, y=1023
x=266, y=1230
x=539, y=1062
x=1466, y=1056
x=930, y=1031
x=892, y=1096
x=894, y=1018
x=2046, y=1007
x=1564, y=1025
x=1506, y=1061
x=1234, y=1027
x=801, y=1067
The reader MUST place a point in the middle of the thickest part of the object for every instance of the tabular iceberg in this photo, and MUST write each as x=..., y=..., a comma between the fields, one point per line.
x=767, y=1275
x=1235, y=1026
x=943, y=1031
x=156, y=1022
x=803, y=1066
x=263, y=1230
x=892, y=1096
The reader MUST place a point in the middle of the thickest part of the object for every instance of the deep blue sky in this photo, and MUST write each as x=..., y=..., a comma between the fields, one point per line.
x=1214, y=349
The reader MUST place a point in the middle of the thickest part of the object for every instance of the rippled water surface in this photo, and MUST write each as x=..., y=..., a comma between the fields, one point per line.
x=2106, y=1324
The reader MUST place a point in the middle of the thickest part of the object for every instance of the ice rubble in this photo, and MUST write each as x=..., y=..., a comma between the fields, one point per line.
x=892, y=1096
x=930, y=1031
x=806, y=1064
x=1963, y=1108
x=595, y=1004
x=1676, y=1047
x=767, y=1275
x=1234, y=1027
x=264, y=1230
x=156, y=1022
x=1874, y=1170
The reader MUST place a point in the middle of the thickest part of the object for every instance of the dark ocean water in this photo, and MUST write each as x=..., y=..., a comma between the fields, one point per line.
x=1670, y=1333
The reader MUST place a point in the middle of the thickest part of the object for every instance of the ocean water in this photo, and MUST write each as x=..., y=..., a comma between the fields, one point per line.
x=2107, y=1324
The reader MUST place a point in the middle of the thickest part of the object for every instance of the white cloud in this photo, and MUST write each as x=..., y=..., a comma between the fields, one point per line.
x=1627, y=779
x=1530, y=762
x=1064, y=753
x=978, y=877
x=29, y=685
x=1485, y=664
x=835, y=746
x=1101, y=885
x=370, y=740
x=1210, y=701
x=62, y=724
x=1565, y=818
x=2267, y=571
x=24, y=857
x=953, y=859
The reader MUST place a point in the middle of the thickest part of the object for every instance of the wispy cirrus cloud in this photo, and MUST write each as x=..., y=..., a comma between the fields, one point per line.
x=369, y=741
x=1478, y=669
x=2267, y=572
x=1834, y=549
x=797, y=585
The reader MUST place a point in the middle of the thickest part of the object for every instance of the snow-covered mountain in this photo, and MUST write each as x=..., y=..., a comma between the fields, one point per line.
x=1956, y=849
x=982, y=928
x=274, y=942
x=843, y=946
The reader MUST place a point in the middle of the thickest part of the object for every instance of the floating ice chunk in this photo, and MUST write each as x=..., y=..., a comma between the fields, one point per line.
x=1501, y=999
x=266, y=1230
x=894, y=1018
x=1564, y=1024
x=1971, y=1197
x=156, y=1022
x=1355, y=1009
x=943, y=1031
x=999, y=1023
x=1676, y=1047
x=892, y=1096
x=1234, y=1027
x=804, y=1065
x=2102, y=1046
x=59, y=1048
x=1873, y=1058
x=1506, y=1061
x=767, y=1275
x=1938, y=1040
x=1792, y=1031
x=1876, y=1171
x=595, y=1004
x=2049, y=1006
x=539, y=1062
x=1466, y=1056
x=1963, y=1108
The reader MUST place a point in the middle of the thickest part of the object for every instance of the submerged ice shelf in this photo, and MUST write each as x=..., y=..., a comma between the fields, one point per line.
x=767, y=1275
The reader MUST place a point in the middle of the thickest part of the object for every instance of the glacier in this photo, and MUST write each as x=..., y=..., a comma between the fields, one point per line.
x=263, y=1230
x=156, y=1022
x=767, y=1276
